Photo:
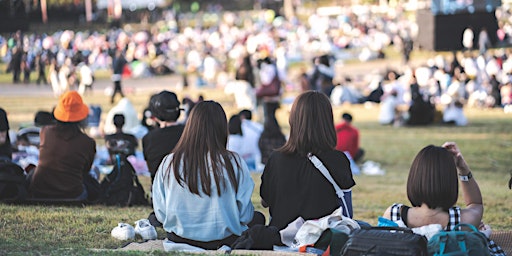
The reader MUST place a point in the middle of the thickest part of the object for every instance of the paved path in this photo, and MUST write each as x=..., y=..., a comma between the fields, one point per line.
x=172, y=82
x=143, y=84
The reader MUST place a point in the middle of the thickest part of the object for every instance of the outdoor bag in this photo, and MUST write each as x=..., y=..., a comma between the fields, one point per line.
x=122, y=187
x=13, y=185
x=459, y=242
x=385, y=241
x=269, y=90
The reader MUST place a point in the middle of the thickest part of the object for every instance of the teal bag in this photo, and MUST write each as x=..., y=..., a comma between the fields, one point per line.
x=458, y=242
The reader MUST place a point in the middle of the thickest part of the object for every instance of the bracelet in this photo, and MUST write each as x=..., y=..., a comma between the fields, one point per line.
x=466, y=177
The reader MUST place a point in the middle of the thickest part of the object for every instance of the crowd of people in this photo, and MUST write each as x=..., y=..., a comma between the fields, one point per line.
x=200, y=165
x=202, y=174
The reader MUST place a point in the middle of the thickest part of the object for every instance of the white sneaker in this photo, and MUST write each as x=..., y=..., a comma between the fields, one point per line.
x=144, y=229
x=123, y=231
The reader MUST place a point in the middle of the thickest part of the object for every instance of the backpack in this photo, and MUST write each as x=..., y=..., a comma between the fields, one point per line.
x=459, y=242
x=384, y=241
x=13, y=185
x=121, y=187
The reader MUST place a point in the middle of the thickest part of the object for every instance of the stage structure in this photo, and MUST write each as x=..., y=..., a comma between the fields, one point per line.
x=441, y=27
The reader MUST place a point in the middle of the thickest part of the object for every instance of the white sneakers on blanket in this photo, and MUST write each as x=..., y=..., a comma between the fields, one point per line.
x=123, y=231
x=143, y=228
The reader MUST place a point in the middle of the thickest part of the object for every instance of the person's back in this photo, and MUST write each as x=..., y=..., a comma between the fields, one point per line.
x=291, y=186
x=271, y=139
x=202, y=192
x=348, y=138
x=66, y=153
x=442, y=166
x=120, y=142
x=251, y=133
x=165, y=110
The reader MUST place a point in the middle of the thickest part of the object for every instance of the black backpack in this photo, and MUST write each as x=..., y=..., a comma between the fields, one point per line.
x=13, y=185
x=121, y=187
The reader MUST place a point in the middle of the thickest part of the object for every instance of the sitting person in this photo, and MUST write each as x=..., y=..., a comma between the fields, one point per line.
x=271, y=139
x=236, y=141
x=66, y=153
x=348, y=138
x=165, y=111
x=202, y=191
x=433, y=189
x=252, y=131
x=310, y=195
x=5, y=142
x=120, y=142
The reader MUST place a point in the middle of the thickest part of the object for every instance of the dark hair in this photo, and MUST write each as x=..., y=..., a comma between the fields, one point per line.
x=347, y=117
x=311, y=125
x=433, y=179
x=4, y=123
x=201, y=153
x=247, y=114
x=235, y=125
x=324, y=60
x=119, y=120
x=43, y=118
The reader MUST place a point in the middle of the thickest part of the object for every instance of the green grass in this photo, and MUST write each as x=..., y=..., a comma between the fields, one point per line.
x=486, y=144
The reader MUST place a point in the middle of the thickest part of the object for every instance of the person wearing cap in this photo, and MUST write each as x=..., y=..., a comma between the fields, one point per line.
x=66, y=153
x=5, y=142
x=165, y=111
x=348, y=137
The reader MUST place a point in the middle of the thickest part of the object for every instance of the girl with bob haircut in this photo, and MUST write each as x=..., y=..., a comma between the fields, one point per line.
x=291, y=186
x=202, y=191
x=433, y=188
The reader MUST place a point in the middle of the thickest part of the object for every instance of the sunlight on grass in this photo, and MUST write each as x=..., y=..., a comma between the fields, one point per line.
x=486, y=144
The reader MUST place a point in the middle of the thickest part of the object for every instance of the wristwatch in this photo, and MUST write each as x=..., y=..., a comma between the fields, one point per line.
x=466, y=177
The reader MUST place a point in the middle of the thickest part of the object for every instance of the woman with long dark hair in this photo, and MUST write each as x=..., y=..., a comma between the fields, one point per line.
x=290, y=184
x=202, y=191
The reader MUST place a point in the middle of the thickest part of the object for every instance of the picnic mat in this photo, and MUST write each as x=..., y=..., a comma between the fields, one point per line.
x=157, y=245
x=504, y=240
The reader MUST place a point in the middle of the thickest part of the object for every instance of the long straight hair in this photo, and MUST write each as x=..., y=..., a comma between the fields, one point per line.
x=311, y=125
x=201, y=151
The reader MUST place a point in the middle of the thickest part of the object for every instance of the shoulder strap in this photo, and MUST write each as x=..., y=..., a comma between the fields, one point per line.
x=403, y=213
x=320, y=166
x=454, y=218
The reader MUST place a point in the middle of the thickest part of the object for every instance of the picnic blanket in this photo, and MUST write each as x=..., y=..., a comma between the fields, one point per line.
x=157, y=245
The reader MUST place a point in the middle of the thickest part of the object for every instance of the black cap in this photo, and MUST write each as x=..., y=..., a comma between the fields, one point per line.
x=165, y=106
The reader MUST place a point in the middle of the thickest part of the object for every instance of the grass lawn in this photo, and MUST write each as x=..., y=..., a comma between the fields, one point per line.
x=486, y=144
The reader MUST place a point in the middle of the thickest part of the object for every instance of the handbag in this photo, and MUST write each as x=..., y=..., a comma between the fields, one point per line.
x=347, y=211
x=269, y=90
x=385, y=241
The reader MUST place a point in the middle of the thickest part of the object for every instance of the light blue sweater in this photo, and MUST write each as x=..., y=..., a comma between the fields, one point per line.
x=203, y=218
